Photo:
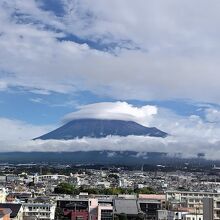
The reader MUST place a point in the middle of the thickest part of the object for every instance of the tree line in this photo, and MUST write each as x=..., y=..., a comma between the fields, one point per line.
x=67, y=188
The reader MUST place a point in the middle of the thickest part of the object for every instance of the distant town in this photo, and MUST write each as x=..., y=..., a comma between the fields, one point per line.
x=100, y=192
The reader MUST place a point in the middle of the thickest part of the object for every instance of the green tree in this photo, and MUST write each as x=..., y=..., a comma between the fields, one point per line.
x=145, y=190
x=64, y=188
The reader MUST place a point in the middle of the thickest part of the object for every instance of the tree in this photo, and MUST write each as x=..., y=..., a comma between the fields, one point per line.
x=64, y=188
x=145, y=190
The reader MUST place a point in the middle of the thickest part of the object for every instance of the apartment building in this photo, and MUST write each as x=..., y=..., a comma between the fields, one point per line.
x=47, y=178
x=211, y=208
x=39, y=208
x=192, y=200
x=105, y=211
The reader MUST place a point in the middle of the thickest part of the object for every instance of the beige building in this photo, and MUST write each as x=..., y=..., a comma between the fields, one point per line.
x=192, y=200
x=105, y=212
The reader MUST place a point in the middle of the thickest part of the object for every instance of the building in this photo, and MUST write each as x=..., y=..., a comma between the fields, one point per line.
x=48, y=178
x=101, y=207
x=189, y=216
x=155, y=197
x=3, y=195
x=183, y=215
x=211, y=208
x=5, y=214
x=2, y=179
x=39, y=208
x=149, y=207
x=16, y=210
x=185, y=199
x=105, y=212
x=77, y=208
x=126, y=207
x=162, y=215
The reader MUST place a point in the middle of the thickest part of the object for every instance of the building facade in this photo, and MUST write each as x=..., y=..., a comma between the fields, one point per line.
x=211, y=208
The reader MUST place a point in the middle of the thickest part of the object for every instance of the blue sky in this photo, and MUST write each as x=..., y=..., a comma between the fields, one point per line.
x=65, y=57
x=49, y=109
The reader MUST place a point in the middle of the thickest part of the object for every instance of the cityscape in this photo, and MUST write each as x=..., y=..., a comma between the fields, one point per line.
x=61, y=191
x=109, y=110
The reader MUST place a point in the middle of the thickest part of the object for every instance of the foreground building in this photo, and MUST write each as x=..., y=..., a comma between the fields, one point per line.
x=108, y=208
x=191, y=200
x=39, y=208
x=211, y=208
x=105, y=211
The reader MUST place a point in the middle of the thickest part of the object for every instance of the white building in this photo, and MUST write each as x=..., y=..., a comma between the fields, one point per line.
x=47, y=178
x=3, y=195
x=104, y=184
x=184, y=216
x=39, y=209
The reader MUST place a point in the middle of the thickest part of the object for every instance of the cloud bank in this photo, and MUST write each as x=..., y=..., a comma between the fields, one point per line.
x=190, y=135
x=123, y=49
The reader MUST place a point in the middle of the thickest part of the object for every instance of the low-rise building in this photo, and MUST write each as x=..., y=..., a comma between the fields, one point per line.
x=182, y=215
x=39, y=208
x=77, y=208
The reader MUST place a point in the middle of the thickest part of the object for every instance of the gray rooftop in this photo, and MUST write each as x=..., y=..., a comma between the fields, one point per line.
x=128, y=206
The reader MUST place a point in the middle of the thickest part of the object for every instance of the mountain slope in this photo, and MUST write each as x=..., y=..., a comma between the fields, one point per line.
x=97, y=128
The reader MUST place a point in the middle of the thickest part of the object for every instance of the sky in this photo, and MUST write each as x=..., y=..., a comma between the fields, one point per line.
x=153, y=62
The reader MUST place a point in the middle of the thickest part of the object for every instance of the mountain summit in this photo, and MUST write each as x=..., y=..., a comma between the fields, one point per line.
x=97, y=128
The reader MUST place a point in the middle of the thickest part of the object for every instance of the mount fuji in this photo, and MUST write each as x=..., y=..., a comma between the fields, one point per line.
x=99, y=128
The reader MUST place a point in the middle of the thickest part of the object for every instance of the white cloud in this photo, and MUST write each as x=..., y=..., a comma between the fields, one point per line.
x=115, y=110
x=170, y=145
x=189, y=135
x=178, y=55
x=213, y=115
x=15, y=131
x=191, y=127
x=3, y=86
x=37, y=100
